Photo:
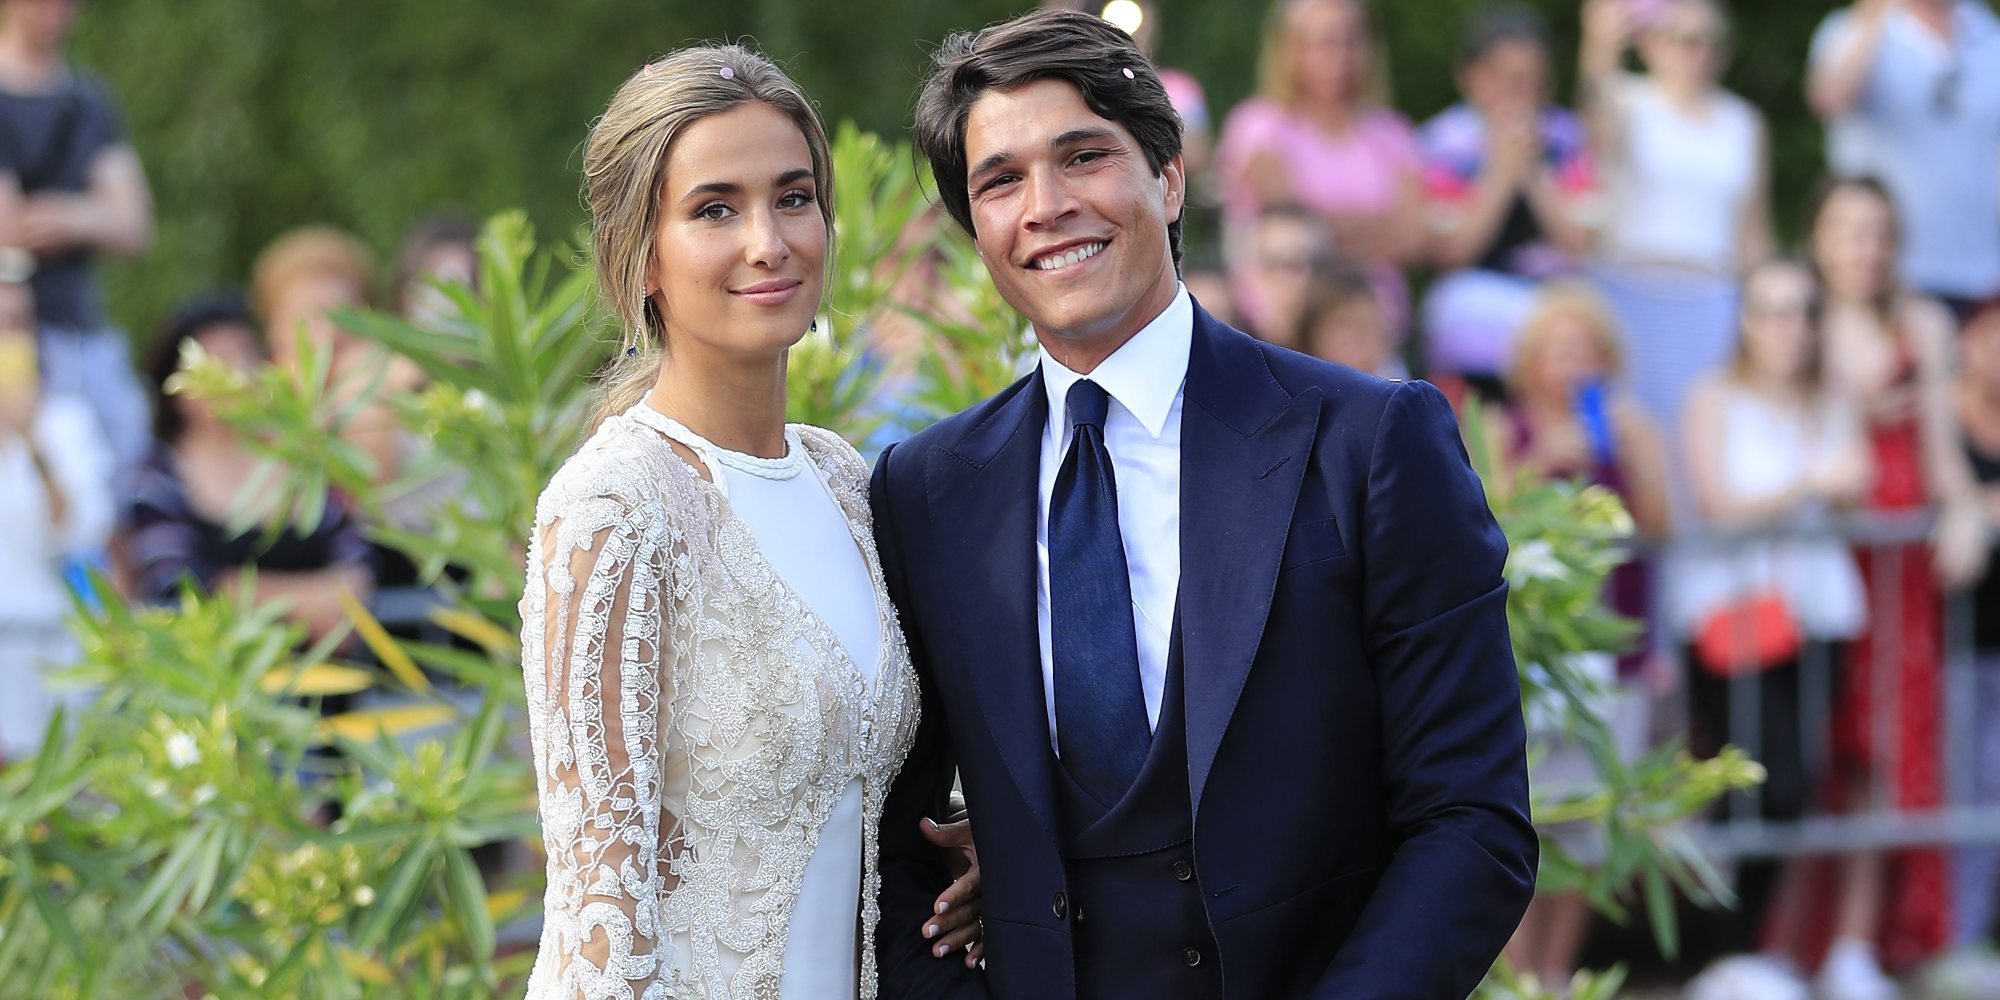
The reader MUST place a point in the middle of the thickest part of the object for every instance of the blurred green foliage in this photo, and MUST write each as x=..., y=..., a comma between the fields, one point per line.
x=256, y=116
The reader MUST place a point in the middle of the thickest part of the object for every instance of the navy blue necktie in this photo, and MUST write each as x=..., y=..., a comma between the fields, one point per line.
x=1101, y=725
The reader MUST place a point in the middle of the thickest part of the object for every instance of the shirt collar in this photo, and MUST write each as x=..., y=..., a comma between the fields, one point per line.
x=1144, y=374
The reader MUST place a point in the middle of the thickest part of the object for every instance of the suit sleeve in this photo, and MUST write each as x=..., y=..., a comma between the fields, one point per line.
x=1453, y=755
x=913, y=872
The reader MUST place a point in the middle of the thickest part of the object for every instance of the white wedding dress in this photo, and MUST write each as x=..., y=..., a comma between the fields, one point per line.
x=718, y=698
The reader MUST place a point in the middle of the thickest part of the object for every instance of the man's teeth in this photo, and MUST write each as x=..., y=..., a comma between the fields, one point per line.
x=1078, y=255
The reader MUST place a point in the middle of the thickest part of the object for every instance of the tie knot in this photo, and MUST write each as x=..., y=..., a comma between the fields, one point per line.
x=1088, y=404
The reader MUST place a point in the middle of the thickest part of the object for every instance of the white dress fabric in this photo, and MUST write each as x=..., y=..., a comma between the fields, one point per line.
x=33, y=549
x=1677, y=184
x=1767, y=449
x=718, y=698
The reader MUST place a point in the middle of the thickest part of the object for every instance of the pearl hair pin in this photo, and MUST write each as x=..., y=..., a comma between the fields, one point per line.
x=1128, y=73
x=728, y=73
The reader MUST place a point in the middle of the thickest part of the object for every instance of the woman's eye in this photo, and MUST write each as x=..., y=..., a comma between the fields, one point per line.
x=795, y=199
x=712, y=212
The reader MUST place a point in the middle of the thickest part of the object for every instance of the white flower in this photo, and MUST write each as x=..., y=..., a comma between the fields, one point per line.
x=157, y=788
x=181, y=750
x=1535, y=559
x=203, y=794
x=364, y=896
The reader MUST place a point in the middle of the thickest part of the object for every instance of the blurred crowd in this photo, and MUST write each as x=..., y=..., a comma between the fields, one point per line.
x=1603, y=280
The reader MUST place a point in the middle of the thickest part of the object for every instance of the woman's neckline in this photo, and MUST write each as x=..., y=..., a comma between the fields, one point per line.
x=786, y=466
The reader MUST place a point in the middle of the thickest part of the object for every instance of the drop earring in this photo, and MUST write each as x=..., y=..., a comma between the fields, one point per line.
x=812, y=327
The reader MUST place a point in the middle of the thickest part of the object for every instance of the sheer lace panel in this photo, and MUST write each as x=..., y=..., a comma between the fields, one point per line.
x=694, y=724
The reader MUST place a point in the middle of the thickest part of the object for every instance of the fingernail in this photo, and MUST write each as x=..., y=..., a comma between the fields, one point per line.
x=930, y=931
x=943, y=905
x=943, y=950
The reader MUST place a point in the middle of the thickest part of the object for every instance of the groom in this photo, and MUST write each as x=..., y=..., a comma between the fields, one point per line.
x=1213, y=634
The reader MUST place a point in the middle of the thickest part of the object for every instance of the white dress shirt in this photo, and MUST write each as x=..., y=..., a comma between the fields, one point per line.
x=1145, y=379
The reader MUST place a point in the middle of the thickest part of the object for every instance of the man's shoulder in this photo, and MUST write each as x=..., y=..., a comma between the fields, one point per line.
x=953, y=431
x=1297, y=373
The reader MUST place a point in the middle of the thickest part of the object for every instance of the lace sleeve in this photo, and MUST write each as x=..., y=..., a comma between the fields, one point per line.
x=592, y=660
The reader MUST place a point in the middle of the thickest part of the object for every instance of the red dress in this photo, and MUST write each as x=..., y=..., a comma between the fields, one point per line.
x=1897, y=744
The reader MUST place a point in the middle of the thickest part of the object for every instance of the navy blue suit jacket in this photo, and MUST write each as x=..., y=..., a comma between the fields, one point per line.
x=1354, y=734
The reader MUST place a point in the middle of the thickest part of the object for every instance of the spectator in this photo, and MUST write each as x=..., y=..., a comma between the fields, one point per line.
x=1770, y=451
x=1319, y=137
x=55, y=500
x=1568, y=419
x=195, y=480
x=1977, y=874
x=76, y=189
x=1510, y=183
x=1889, y=355
x=297, y=284
x=1910, y=91
x=1685, y=166
x=439, y=249
x=1285, y=253
x=1343, y=321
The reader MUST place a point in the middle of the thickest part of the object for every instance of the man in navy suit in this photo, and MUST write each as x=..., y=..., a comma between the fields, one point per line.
x=1212, y=634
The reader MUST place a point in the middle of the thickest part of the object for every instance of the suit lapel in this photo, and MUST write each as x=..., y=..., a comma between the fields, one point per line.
x=983, y=506
x=1245, y=444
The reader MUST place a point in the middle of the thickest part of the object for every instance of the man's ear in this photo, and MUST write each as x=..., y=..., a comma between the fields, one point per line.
x=1174, y=174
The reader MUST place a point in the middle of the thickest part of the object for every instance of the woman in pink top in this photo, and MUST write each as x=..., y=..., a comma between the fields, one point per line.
x=1319, y=137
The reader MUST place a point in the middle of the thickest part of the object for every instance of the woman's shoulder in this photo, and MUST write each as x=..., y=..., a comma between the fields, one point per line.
x=834, y=453
x=618, y=470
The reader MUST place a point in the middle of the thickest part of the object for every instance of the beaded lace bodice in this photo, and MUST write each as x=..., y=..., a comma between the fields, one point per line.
x=693, y=724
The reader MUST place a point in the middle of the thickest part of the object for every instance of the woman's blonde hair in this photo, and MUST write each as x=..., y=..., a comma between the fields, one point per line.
x=1274, y=61
x=625, y=162
x=310, y=251
x=1565, y=298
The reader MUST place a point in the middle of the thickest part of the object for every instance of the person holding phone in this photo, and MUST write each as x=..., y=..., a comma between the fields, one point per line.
x=55, y=500
x=1910, y=93
x=1686, y=190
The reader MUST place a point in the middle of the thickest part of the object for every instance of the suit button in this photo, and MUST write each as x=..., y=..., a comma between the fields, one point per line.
x=1076, y=911
x=1191, y=957
x=1183, y=871
x=1061, y=906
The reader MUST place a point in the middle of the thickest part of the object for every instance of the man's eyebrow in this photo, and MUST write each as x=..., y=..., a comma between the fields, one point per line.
x=992, y=162
x=1078, y=136
x=1073, y=137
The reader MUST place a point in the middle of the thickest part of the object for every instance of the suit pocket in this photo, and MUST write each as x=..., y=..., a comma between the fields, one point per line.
x=1311, y=542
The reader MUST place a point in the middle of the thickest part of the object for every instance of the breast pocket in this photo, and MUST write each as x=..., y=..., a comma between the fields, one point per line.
x=1312, y=542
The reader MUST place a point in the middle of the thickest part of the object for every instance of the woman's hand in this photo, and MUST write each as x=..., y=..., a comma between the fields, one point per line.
x=955, y=925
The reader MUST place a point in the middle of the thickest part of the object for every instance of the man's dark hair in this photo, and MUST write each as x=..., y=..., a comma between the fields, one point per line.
x=1085, y=51
x=192, y=319
x=1497, y=26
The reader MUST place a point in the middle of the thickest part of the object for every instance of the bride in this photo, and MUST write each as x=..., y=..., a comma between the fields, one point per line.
x=718, y=691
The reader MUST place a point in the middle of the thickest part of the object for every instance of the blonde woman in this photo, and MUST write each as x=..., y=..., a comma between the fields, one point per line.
x=1569, y=418
x=718, y=690
x=1320, y=137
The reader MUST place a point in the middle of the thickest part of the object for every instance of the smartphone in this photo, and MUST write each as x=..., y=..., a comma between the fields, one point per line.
x=17, y=362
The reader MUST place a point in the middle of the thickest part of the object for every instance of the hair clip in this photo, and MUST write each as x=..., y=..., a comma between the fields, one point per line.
x=728, y=73
x=1128, y=73
x=631, y=352
x=646, y=70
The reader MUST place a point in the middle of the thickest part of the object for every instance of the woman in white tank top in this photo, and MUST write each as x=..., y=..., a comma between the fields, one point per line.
x=1686, y=197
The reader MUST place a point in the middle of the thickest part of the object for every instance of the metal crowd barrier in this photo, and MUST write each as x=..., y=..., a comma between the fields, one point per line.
x=1879, y=823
